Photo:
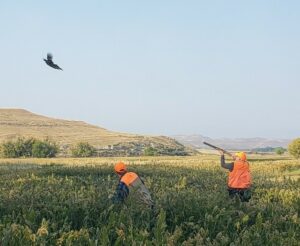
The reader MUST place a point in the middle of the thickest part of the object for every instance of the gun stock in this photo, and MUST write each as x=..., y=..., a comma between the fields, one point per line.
x=217, y=148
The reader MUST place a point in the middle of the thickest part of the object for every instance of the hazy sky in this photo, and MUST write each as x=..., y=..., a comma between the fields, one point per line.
x=217, y=68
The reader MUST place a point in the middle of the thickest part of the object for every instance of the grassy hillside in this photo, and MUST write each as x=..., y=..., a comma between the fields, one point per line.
x=22, y=123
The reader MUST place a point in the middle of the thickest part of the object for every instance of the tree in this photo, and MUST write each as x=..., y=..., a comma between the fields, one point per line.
x=44, y=149
x=8, y=150
x=23, y=147
x=279, y=151
x=294, y=148
x=83, y=149
x=19, y=148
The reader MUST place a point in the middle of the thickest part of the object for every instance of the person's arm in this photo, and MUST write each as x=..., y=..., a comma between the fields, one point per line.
x=228, y=166
x=121, y=193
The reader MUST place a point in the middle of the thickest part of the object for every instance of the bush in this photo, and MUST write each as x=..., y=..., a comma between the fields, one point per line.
x=294, y=148
x=19, y=148
x=280, y=151
x=150, y=151
x=7, y=150
x=44, y=149
x=83, y=149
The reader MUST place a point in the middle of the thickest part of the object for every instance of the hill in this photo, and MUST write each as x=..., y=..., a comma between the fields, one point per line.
x=16, y=123
x=196, y=141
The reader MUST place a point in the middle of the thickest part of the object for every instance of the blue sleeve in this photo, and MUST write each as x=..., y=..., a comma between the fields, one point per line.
x=228, y=166
x=121, y=193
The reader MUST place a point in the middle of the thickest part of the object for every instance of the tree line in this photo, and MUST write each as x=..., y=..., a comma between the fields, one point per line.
x=36, y=148
x=32, y=147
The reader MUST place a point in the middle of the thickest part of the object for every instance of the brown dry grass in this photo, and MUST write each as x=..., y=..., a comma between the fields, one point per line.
x=18, y=122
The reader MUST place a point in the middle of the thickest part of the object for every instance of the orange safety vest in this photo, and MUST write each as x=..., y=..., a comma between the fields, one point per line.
x=134, y=183
x=239, y=177
x=129, y=178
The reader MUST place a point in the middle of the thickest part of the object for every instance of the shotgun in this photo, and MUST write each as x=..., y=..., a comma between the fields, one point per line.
x=217, y=148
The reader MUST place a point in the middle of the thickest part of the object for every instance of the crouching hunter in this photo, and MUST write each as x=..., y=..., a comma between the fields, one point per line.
x=239, y=178
x=131, y=187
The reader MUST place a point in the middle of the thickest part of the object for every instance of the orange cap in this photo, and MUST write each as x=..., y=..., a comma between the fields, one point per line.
x=120, y=167
x=241, y=155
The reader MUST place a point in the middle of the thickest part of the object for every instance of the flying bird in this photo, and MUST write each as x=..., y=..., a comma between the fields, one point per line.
x=50, y=63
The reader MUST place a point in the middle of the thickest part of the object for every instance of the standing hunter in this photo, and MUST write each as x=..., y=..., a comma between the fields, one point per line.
x=131, y=187
x=239, y=178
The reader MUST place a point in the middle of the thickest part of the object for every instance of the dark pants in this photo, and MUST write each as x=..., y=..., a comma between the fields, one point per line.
x=243, y=194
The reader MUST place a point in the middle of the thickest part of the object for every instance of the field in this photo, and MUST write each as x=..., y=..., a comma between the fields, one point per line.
x=66, y=202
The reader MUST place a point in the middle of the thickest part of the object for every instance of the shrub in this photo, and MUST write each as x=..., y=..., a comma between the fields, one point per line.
x=19, y=148
x=83, y=149
x=150, y=151
x=23, y=147
x=279, y=150
x=44, y=149
x=294, y=148
x=8, y=150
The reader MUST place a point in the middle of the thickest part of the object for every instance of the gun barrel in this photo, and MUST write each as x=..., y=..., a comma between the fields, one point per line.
x=217, y=148
x=210, y=145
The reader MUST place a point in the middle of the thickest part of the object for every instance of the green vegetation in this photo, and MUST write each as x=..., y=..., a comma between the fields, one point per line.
x=28, y=148
x=19, y=148
x=146, y=148
x=277, y=150
x=83, y=149
x=294, y=148
x=44, y=149
x=31, y=147
x=63, y=204
x=165, y=150
x=280, y=151
x=150, y=151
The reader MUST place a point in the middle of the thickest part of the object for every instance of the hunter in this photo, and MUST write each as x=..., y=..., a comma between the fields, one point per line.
x=131, y=185
x=239, y=178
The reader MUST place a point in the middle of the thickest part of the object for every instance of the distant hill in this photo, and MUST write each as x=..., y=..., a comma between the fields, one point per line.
x=16, y=123
x=196, y=141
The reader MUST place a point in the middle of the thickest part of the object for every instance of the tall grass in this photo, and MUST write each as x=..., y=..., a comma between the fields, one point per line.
x=66, y=202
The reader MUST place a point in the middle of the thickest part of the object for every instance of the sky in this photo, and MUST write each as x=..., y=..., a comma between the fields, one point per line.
x=216, y=68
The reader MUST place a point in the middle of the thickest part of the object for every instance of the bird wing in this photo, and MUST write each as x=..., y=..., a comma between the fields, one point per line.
x=56, y=66
x=49, y=56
